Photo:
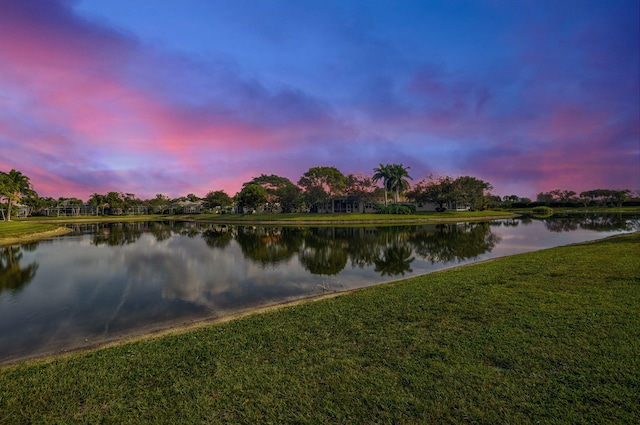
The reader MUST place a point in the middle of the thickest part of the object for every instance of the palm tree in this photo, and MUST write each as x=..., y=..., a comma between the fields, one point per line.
x=13, y=185
x=397, y=179
x=383, y=173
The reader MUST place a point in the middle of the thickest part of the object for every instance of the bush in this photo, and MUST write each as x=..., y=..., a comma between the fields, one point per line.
x=395, y=209
x=542, y=210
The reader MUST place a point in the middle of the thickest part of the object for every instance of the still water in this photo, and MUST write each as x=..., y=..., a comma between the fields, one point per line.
x=106, y=281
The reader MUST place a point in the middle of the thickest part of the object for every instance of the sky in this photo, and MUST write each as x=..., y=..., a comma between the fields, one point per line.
x=191, y=96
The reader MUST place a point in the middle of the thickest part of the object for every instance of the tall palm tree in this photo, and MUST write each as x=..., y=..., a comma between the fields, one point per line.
x=397, y=179
x=383, y=173
x=13, y=185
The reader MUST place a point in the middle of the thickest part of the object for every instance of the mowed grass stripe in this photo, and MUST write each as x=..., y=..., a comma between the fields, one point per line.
x=17, y=228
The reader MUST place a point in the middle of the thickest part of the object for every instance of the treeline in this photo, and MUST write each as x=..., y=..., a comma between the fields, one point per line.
x=597, y=197
x=387, y=189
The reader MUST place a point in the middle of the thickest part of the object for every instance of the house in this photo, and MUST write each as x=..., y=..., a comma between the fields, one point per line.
x=187, y=207
x=345, y=204
x=267, y=207
x=22, y=210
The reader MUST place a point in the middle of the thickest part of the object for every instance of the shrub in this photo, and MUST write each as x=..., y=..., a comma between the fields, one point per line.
x=395, y=209
x=543, y=210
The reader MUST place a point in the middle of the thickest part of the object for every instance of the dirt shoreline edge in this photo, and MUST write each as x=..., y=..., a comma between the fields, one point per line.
x=32, y=237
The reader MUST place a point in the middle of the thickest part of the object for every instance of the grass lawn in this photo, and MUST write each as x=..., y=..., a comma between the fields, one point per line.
x=15, y=228
x=547, y=337
x=293, y=218
x=353, y=217
x=584, y=210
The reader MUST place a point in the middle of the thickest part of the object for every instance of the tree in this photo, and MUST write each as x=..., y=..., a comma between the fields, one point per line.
x=73, y=203
x=160, y=203
x=397, y=182
x=279, y=190
x=14, y=185
x=382, y=173
x=361, y=187
x=544, y=198
x=606, y=196
x=251, y=196
x=322, y=183
x=33, y=203
x=394, y=179
x=439, y=191
x=290, y=197
x=219, y=198
x=115, y=202
x=470, y=191
x=98, y=201
x=131, y=204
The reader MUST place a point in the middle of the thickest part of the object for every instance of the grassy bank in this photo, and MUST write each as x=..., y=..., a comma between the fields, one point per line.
x=545, y=337
x=26, y=229
x=294, y=218
x=355, y=218
x=15, y=228
x=17, y=232
x=583, y=210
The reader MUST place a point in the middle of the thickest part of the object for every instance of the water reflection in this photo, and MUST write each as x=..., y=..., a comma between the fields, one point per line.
x=327, y=251
x=596, y=222
x=110, y=279
x=14, y=275
x=454, y=242
x=268, y=246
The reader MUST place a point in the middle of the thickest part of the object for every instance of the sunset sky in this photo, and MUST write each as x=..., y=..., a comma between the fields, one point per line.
x=189, y=96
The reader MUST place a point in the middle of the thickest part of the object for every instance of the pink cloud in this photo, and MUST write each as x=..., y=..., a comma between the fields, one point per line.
x=85, y=108
x=75, y=83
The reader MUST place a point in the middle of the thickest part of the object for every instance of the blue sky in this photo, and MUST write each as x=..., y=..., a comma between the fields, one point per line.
x=185, y=97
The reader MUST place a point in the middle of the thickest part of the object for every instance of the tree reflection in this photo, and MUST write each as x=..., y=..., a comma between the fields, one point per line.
x=609, y=222
x=561, y=224
x=118, y=234
x=364, y=246
x=389, y=250
x=218, y=237
x=451, y=242
x=596, y=222
x=324, y=251
x=13, y=276
x=394, y=260
x=269, y=245
x=161, y=230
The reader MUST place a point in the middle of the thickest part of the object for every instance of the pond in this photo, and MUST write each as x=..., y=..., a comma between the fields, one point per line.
x=106, y=281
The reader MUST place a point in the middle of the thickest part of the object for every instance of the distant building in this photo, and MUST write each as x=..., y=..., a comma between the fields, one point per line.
x=187, y=207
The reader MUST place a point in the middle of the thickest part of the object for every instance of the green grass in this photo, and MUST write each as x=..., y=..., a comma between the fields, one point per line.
x=583, y=210
x=20, y=228
x=351, y=217
x=547, y=337
x=98, y=218
x=286, y=217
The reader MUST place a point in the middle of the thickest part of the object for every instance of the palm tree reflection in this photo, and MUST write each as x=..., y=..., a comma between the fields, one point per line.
x=13, y=276
x=394, y=260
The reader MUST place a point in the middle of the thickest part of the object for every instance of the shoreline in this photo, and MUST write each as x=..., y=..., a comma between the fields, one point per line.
x=450, y=337
x=178, y=328
x=181, y=328
x=24, y=238
x=358, y=222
